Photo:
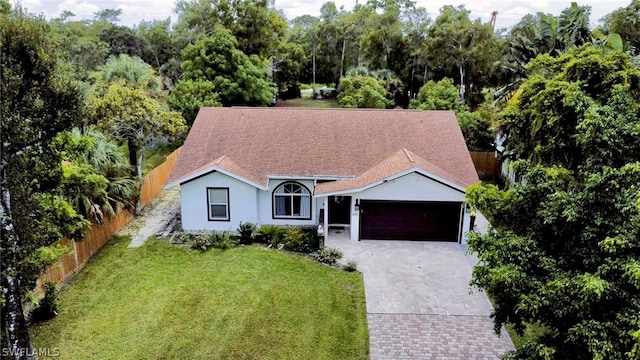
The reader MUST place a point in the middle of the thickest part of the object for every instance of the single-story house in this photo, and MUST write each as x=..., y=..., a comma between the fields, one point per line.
x=383, y=174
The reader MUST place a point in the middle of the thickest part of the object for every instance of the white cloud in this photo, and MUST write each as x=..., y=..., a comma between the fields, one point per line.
x=509, y=11
x=82, y=10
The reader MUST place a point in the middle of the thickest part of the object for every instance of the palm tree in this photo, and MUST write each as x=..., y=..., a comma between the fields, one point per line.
x=133, y=72
x=543, y=34
x=96, y=178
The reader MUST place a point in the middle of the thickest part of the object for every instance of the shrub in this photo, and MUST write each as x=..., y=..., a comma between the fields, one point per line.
x=329, y=255
x=351, y=266
x=220, y=240
x=294, y=240
x=270, y=234
x=48, y=305
x=199, y=241
x=311, y=237
x=247, y=232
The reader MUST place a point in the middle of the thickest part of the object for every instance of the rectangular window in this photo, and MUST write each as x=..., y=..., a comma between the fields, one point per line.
x=218, y=200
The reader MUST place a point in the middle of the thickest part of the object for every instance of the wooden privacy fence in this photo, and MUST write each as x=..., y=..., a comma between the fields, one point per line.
x=154, y=181
x=99, y=234
x=486, y=165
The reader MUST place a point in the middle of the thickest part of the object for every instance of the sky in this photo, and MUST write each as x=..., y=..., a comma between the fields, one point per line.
x=134, y=11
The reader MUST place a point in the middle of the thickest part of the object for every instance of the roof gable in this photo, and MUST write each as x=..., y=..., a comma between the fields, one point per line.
x=400, y=163
x=266, y=142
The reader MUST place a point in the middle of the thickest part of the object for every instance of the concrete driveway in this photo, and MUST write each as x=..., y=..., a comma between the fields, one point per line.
x=419, y=302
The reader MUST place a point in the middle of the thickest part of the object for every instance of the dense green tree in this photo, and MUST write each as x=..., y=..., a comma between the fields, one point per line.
x=95, y=174
x=190, y=95
x=328, y=44
x=257, y=26
x=123, y=40
x=383, y=43
x=477, y=126
x=626, y=22
x=237, y=78
x=133, y=72
x=159, y=41
x=394, y=86
x=170, y=73
x=464, y=50
x=38, y=102
x=573, y=26
x=286, y=68
x=80, y=44
x=362, y=92
x=564, y=250
x=107, y=15
x=440, y=95
x=133, y=118
x=564, y=255
x=541, y=119
x=416, y=28
x=303, y=32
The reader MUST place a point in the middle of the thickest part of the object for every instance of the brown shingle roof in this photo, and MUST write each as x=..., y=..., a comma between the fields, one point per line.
x=255, y=143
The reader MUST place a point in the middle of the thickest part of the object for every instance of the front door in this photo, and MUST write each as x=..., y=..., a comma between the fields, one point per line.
x=339, y=210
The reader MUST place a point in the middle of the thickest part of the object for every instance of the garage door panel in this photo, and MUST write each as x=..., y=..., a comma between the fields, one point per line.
x=409, y=220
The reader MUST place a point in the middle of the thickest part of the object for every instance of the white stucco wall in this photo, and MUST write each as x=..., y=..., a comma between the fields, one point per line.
x=193, y=203
x=246, y=203
x=410, y=187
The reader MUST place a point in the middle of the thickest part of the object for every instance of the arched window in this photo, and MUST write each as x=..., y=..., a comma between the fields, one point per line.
x=291, y=200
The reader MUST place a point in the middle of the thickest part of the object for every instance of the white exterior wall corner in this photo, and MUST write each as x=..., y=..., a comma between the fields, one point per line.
x=246, y=203
x=194, y=206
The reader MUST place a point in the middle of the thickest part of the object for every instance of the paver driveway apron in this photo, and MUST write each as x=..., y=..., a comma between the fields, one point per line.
x=419, y=303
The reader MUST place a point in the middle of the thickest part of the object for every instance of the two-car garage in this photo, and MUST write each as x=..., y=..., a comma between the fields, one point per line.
x=410, y=220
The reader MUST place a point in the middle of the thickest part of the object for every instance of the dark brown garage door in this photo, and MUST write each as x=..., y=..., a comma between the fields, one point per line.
x=393, y=220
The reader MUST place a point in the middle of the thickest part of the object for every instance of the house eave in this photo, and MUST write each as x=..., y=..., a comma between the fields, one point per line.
x=420, y=171
x=209, y=170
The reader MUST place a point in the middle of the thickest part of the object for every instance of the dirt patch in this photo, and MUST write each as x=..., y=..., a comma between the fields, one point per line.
x=153, y=218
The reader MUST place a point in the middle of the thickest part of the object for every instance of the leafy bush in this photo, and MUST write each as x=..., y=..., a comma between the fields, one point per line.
x=294, y=240
x=220, y=240
x=198, y=241
x=247, y=232
x=270, y=234
x=329, y=255
x=204, y=241
x=351, y=266
x=48, y=305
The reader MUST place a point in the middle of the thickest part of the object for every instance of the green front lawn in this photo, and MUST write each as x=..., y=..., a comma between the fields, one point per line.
x=308, y=103
x=164, y=301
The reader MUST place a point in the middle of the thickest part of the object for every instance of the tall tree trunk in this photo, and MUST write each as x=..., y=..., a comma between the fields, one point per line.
x=133, y=158
x=424, y=78
x=136, y=167
x=344, y=44
x=314, y=70
x=462, y=89
x=20, y=347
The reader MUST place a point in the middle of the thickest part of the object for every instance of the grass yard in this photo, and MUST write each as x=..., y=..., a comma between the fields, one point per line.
x=156, y=156
x=162, y=301
x=308, y=103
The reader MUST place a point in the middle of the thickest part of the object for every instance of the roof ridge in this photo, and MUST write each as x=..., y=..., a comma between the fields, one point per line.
x=406, y=152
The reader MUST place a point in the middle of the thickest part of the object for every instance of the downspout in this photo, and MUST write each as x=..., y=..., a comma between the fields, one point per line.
x=258, y=207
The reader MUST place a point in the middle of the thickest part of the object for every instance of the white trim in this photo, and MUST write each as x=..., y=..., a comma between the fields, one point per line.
x=312, y=177
x=211, y=169
x=393, y=177
x=227, y=216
